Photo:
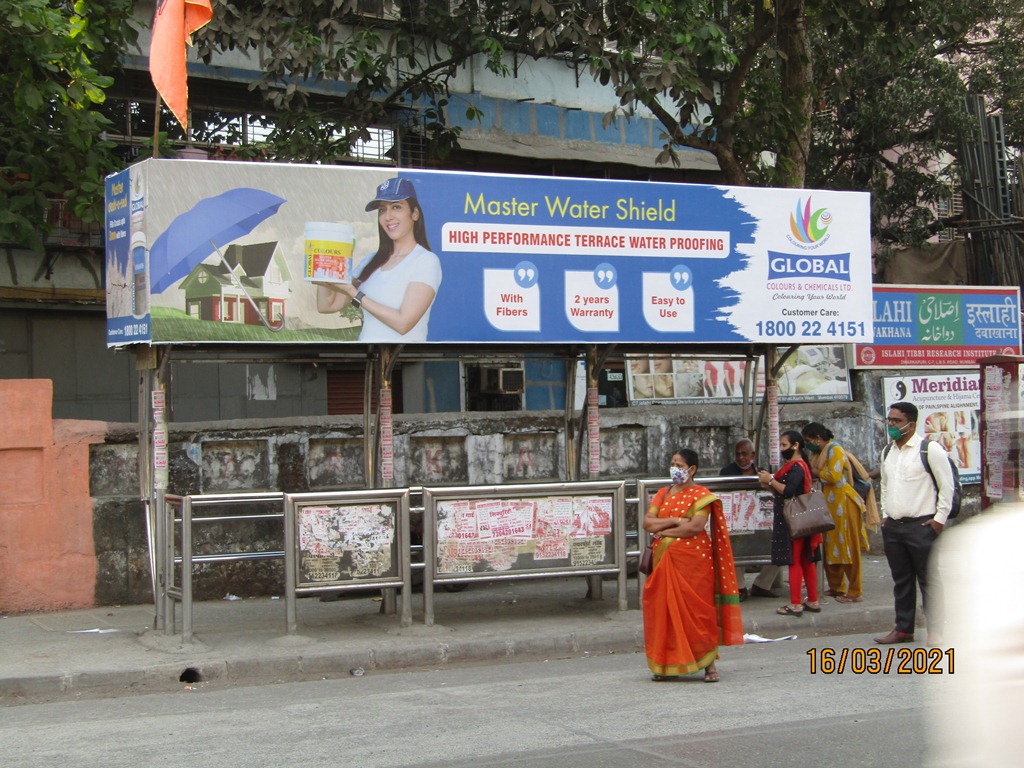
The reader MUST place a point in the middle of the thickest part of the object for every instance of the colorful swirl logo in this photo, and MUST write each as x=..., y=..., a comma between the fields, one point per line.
x=809, y=226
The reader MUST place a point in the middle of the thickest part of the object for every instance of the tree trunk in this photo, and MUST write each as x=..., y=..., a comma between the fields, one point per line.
x=797, y=90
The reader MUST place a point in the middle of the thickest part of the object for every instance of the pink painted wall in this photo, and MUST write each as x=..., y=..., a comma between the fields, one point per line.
x=47, y=556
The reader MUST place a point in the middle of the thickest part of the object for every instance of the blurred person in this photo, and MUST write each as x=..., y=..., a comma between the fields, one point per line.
x=831, y=466
x=690, y=599
x=985, y=628
x=793, y=479
x=744, y=465
x=913, y=516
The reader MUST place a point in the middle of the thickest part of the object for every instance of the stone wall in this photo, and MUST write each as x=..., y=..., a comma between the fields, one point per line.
x=73, y=529
x=325, y=454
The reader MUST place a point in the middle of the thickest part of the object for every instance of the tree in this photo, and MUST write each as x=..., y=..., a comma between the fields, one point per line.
x=846, y=94
x=387, y=66
x=990, y=63
x=57, y=63
x=876, y=83
x=683, y=62
x=892, y=81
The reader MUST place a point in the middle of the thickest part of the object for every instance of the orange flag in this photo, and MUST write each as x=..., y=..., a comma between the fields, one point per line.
x=173, y=25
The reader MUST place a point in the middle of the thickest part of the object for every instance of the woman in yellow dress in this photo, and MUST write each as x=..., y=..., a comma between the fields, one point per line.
x=691, y=599
x=831, y=466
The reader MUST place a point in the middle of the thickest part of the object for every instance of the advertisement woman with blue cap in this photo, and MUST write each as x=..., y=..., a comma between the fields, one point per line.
x=396, y=286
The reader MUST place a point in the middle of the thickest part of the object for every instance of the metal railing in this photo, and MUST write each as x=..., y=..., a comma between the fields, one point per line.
x=176, y=544
x=183, y=505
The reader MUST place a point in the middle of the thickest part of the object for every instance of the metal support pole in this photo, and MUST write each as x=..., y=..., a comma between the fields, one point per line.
x=368, y=436
x=571, y=472
x=145, y=363
x=186, y=570
x=770, y=406
x=290, y=554
x=385, y=439
x=166, y=537
x=595, y=590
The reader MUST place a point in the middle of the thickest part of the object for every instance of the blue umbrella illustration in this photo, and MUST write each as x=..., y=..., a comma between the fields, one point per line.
x=202, y=230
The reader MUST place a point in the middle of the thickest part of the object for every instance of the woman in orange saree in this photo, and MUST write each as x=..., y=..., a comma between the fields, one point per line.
x=691, y=599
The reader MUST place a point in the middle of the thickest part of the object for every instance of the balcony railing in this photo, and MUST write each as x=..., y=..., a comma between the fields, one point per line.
x=67, y=230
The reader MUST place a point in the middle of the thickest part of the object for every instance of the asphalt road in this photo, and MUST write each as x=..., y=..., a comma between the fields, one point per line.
x=599, y=712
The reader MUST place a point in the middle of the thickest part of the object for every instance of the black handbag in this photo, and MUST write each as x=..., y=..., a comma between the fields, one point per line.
x=807, y=514
x=646, y=560
x=862, y=487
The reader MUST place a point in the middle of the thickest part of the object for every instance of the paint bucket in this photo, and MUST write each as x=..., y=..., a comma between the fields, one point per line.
x=329, y=252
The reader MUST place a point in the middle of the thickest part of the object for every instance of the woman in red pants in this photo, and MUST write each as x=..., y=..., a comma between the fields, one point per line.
x=792, y=479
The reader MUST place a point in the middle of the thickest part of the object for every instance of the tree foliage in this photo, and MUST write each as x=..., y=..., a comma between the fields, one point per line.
x=892, y=80
x=58, y=61
x=847, y=94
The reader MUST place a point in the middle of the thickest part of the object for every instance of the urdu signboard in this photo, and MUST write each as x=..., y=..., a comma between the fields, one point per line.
x=929, y=326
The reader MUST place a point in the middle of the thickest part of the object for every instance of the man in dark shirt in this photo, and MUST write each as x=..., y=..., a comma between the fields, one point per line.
x=744, y=465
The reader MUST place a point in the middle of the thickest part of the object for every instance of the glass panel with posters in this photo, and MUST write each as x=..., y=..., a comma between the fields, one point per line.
x=808, y=373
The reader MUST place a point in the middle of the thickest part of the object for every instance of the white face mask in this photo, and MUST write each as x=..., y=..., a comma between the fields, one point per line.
x=678, y=475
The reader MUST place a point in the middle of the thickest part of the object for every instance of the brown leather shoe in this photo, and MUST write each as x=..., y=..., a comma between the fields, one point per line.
x=896, y=637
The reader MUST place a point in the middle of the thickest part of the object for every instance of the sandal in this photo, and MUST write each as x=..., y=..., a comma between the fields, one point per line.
x=711, y=677
x=832, y=593
x=848, y=599
x=812, y=609
x=787, y=611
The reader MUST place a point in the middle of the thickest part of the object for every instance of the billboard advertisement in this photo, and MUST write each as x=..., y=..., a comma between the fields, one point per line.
x=928, y=326
x=202, y=251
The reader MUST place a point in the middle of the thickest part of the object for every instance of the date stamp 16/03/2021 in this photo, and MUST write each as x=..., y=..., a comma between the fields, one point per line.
x=881, y=661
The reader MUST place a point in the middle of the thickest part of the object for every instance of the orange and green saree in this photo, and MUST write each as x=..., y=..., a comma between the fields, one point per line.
x=691, y=599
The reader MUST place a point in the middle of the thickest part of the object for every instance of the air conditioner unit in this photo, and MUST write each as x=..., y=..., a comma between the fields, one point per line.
x=503, y=381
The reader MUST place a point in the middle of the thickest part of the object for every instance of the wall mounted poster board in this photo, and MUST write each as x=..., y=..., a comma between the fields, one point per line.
x=354, y=538
x=347, y=540
x=807, y=373
x=524, y=530
x=746, y=506
x=342, y=543
x=501, y=532
x=201, y=251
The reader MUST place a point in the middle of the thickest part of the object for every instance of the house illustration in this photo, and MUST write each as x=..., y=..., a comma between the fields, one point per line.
x=249, y=281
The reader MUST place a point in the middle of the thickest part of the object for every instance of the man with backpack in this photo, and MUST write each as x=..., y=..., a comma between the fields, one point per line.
x=917, y=497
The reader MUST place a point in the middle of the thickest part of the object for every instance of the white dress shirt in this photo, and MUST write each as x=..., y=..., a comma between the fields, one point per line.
x=907, y=489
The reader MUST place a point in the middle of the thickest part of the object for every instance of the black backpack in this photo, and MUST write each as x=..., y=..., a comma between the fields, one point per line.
x=954, y=509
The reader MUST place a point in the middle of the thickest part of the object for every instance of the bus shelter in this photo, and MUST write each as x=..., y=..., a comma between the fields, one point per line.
x=221, y=255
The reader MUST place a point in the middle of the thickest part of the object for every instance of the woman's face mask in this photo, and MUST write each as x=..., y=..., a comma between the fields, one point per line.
x=813, y=448
x=678, y=475
x=787, y=454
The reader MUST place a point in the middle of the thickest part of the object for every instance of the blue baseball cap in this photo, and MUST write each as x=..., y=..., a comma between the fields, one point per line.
x=391, y=191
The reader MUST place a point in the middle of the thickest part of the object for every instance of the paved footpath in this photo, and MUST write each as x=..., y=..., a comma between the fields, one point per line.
x=114, y=650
